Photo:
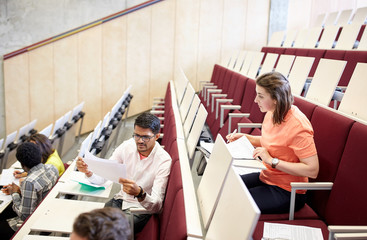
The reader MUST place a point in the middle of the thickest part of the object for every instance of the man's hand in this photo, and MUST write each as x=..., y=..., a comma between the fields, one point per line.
x=10, y=189
x=129, y=186
x=83, y=167
x=19, y=174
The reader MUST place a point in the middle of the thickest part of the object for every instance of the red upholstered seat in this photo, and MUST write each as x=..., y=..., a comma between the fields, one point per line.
x=348, y=197
x=330, y=133
x=176, y=226
x=305, y=106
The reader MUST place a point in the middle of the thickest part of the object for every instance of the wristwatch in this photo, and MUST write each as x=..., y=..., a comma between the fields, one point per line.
x=274, y=162
x=141, y=194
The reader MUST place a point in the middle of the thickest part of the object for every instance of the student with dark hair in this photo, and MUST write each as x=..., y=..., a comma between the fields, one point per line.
x=286, y=147
x=49, y=155
x=41, y=178
x=101, y=224
x=147, y=168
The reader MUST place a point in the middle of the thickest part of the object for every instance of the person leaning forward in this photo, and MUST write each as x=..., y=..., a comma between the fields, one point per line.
x=147, y=171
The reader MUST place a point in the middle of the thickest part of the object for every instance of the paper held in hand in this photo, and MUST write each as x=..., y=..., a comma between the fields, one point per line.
x=108, y=169
x=241, y=149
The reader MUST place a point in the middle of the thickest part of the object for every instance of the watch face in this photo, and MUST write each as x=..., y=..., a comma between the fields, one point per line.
x=274, y=162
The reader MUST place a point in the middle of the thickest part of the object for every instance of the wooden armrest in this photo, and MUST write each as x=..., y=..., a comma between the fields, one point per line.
x=158, y=98
x=226, y=107
x=205, y=83
x=209, y=92
x=161, y=135
x=158, y=107
x=161, y=118
x=156, y=112
x=248, y=125
x=217, y=95
x=339, y=231
x=206, y=88
x=220, y=100
x=235, y=115
x=350, y=236
x=305, y=186
x=162, y=125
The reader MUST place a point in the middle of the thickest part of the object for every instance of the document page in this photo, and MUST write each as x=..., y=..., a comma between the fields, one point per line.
x=106, y=168
x=241, y=148
x=80, y=178
x=7, y=177
x=294, y=232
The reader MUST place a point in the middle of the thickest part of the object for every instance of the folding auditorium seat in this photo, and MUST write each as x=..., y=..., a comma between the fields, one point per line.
x=214, y=99
x=352, y=57
x=217, y=80
x=324, y=123
x=248, y=109
x=317, y=54
x=284, y=64
x=348, y=37
x=329, y=37
x=156, y=228
x=305, y=106
x=345, y=207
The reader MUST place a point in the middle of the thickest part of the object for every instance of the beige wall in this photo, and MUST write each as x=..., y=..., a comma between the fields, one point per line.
x=303, y=13
x=144, y=49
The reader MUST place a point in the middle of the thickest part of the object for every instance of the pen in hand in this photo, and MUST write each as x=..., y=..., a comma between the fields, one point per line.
x=230, y=137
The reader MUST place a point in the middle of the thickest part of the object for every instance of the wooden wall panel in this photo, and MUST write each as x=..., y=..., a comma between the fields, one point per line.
x=138, y=58
x=66, y=75
x=210, y=35
x=16, y=89
x=162, y=51
x=257, y=24
x=41, y=85
x=113, y=62
x=186, y=38
x=89, y=75
x=233, y=34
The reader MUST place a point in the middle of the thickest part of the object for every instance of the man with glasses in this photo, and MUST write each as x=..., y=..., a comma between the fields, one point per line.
x=147, y=168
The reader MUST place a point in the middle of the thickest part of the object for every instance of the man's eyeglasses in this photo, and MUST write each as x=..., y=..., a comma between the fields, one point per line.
x=144, y=138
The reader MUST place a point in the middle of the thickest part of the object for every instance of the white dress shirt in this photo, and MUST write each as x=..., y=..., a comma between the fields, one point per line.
x=150, y=173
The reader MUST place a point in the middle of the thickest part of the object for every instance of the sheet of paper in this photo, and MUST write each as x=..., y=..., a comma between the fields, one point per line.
x=4, y=199
x=7, y=177
x=294, y=232
x=80, y=178
x=256, y=164
x=207, y=146
x=108, y=169
x=241, y=148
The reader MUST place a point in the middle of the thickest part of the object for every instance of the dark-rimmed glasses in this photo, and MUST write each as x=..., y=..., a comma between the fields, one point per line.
x=144, y=138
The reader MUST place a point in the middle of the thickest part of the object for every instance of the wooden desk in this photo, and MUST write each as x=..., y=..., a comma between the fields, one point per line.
x=59, y=215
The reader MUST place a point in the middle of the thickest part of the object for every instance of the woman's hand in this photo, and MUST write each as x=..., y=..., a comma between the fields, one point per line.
x=263, y=154
x=233, y=137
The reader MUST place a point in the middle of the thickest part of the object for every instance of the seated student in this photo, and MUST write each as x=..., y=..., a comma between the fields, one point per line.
x=49, y=155
x=147, y=170
x=101, y=224
x=41, y=178
x=286, y=147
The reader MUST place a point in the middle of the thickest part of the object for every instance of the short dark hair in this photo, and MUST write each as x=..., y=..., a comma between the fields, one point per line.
x=148, y=120
x=103, y=224
x=279, y=89
x=28, y=154
x=44, y=145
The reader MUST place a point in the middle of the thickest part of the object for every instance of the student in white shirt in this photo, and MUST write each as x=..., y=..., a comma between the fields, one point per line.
x=147, y=168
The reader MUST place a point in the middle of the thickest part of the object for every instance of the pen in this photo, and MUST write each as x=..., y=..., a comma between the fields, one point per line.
x=234, y=132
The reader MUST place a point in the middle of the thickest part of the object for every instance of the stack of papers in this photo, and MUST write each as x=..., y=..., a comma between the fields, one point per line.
x=81, y=179
x=294, y=232
x=106, y=168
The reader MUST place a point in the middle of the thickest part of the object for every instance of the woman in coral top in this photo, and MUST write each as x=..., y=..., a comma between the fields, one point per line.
x=286, y=147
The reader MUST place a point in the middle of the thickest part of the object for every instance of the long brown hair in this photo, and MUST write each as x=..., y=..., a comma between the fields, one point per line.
x=279, y=89
x=44, y=145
